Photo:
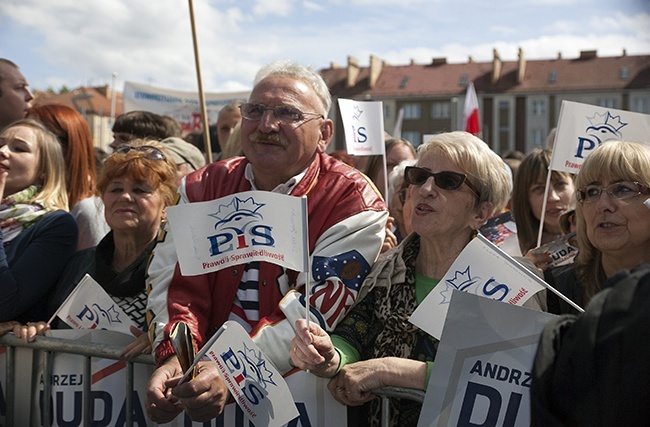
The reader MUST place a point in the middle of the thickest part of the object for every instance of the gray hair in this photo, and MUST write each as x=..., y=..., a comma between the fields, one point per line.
x=299, y=72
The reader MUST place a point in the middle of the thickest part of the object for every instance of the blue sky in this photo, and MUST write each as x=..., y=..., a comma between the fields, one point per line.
x=76, y=43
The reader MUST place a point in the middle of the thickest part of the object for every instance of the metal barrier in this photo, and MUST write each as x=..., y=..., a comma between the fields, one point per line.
x=105, y=351
x=52, y=345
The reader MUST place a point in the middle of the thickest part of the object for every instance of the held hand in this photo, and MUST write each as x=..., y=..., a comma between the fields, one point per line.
x=141, y=345
x=8, y=326
x=390, y=240
x=29, y=331
x=313, y=350
x=160, y=404
x=353, y=385
x=204, y=397
x=542, y=260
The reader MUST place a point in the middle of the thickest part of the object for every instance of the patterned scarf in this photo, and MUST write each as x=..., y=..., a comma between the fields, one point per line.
x=18, y=213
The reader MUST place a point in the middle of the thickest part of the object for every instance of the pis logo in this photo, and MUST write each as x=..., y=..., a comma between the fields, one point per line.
x=98, y=316
x=465, y=282
x=239, y=226
x=604, y=127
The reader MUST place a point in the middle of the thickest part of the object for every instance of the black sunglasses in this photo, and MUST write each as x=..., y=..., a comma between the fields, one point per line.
x=446, y=180
x=150, y=152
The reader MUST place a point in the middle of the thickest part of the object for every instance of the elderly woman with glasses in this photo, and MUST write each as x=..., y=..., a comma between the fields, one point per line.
x=455, y=186
x=137, y=182
x=612, y=222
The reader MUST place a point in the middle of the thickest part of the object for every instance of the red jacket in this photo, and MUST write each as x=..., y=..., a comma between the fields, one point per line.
x=346, y=223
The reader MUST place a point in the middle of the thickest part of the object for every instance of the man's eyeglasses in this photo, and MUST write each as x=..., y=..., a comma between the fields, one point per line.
x=446, y=180
x=150, y=152
x=619, y=191
x=285, y=114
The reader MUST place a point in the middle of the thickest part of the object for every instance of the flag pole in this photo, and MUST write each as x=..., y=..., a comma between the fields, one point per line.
x=207, y=146
x=542, y=216
x=306, y=266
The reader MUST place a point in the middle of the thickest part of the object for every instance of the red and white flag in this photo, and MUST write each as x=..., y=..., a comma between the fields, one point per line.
x=90, y=307
x=470, y=113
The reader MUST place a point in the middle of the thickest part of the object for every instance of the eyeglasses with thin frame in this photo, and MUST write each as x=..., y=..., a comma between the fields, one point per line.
x=150, y=152
x=446, y=180
x=618, y=191
x=284, y=113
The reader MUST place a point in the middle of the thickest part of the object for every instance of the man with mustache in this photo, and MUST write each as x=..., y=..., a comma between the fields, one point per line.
x=285, y=132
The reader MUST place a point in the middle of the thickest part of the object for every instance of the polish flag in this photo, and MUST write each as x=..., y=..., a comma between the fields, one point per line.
x=470, y=113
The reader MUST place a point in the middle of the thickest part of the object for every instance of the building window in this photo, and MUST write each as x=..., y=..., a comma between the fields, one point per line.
x=440, y=110
x=463, y=80
x=404, y=81
x=607, y=102
x=537, y=138
x=641, y=105
x=552, y=76
x=625, y=73
x=411, y=111
x=539, y=107
x=413, y=137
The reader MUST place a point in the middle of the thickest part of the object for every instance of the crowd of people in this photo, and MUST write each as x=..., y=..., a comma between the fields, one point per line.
x=397, y=223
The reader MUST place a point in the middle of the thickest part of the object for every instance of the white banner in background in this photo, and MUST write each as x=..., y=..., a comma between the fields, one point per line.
x=363, y=123
x=583, y=127
x=239, y=228
x=183, y=106
x=483, y=367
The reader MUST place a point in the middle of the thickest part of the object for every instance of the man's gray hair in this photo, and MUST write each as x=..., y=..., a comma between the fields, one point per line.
x=299, y=72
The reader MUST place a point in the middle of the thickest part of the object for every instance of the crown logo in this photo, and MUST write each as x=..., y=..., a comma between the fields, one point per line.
x=237, y=206
x=462, y=281
x=356, y=114
x=612, y=123
x=257, y=364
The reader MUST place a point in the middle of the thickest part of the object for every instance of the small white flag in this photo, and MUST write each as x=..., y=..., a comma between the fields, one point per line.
x=240, y=228
x=257, y=386
x=363, y=124
x=482, y=269
x=583, y=127
x=90, y=307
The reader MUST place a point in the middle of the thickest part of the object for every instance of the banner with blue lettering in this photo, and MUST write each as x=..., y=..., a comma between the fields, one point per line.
x=314, y=403
x=257, y=386
x=363, y=124
x=239, y=228
x=583, y=127
x=483, y=367
x=181, y=105
x=481, y=269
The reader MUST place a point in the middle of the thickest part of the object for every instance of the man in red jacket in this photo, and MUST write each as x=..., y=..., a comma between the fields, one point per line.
x=285, y=132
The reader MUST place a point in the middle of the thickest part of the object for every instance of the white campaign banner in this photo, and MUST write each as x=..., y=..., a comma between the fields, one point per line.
x=363, y=124
x=482, y=269
x=257, y=386
x=315, y=405
x=483, y=367
x=89, y=307
x=583, y=127
x=183, y=106
x=239, y=228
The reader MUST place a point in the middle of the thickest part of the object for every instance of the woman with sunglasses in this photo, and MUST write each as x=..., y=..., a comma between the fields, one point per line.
x=612, y=222
x=455, y=186
x=136, y=183
x=37, y=234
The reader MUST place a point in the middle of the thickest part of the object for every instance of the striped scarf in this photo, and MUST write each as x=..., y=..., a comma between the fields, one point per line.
x=18, y=212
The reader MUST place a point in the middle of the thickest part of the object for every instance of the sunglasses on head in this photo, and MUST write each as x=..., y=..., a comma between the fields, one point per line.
x=446, y=180
x=150, y=152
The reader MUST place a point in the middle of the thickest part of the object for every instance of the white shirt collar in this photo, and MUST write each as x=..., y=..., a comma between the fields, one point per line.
x=284, y=188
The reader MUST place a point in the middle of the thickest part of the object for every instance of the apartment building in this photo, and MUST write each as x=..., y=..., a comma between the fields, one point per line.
x=519, y=101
